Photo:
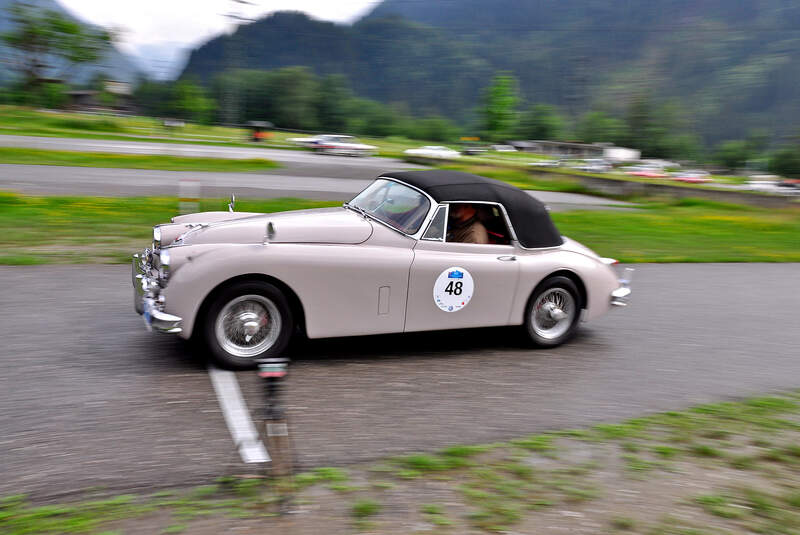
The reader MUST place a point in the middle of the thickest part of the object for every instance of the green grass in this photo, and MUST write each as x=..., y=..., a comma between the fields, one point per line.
x=687, y=231
x=37, y=230
x=28, y=122
x=25, y=121
x=13, y=155
x=623, y=523
x=519, y=177
x=365, y=508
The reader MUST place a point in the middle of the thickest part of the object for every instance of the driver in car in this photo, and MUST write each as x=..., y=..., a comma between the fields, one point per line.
x=465, y=226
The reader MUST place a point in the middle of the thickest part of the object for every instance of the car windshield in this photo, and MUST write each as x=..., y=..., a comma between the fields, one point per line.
x=399, y=206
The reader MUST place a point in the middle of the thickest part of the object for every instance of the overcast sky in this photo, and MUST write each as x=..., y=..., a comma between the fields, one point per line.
x=151, y=27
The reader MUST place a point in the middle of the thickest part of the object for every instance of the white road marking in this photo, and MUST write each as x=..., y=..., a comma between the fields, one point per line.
x=237, y=417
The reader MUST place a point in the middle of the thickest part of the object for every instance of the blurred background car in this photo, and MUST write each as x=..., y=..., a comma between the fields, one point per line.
x=692, y=176
x=645, y=171
x=307, y=142
x=595, y=165
x=473, y=150
x=503, y=148
x=546, y=163
x=792, y=184
x=433, y=151
x=342, y=145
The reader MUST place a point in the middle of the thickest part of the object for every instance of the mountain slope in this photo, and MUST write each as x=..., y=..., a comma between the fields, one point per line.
x=732, y=66
x=390, y=59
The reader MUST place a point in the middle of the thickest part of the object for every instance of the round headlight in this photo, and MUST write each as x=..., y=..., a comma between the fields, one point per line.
x=156, y=237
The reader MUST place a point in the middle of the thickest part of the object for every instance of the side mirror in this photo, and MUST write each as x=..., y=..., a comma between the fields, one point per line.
x=232, y=204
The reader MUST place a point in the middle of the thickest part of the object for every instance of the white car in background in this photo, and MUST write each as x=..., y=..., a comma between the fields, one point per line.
x=503, y=148
x=342, y=145
x=433, y=151
x=547, y=163
x=304, y=141
x=595, y=165
x=692, y=176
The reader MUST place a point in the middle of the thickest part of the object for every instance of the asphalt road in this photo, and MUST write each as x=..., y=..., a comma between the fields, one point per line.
x=88, y=398
x=188, y=149
x=57, y=180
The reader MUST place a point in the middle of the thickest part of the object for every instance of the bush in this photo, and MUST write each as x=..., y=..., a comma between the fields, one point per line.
x=54, y=96
x=785, y=162
x=100, y=125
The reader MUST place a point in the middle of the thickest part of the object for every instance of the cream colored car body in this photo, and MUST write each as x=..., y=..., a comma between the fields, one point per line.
x=353, y=275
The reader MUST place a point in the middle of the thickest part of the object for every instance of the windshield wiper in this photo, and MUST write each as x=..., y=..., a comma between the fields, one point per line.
x=356, y=209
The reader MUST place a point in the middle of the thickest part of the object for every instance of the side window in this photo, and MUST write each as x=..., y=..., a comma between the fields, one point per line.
x=477, y=223
x=436, y=228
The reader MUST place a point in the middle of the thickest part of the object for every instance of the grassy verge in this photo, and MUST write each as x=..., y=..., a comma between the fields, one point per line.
x=687, y=230
x=26, y=121
x=731, y=467
x=38, y=230
x=132, y=161
x=519, y=177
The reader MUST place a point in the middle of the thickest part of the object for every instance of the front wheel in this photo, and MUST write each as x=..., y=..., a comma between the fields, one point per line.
x=245, y=322
x=553, y=312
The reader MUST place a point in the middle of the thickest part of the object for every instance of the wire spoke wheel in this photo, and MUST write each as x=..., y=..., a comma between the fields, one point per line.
x=248, y=325
x=553, y=313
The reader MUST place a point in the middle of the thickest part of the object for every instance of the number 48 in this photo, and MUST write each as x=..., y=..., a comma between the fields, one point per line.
x=454, y=288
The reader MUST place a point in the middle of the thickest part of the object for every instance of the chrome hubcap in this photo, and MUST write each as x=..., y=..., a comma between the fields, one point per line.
x=248, y=325
x=553, y=313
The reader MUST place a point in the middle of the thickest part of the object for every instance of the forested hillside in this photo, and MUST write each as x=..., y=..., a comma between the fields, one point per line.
x=729, y=66
x=115, y=64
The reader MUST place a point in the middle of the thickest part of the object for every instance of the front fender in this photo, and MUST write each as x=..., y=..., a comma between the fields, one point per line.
x=598, y=279
x=204, y=268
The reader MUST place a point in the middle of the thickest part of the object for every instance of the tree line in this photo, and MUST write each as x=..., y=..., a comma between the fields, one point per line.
x=297, y=98
x=658, y=128
x=292, y=98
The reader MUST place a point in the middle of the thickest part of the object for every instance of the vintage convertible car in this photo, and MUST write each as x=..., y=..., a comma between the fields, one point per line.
x=386, y=262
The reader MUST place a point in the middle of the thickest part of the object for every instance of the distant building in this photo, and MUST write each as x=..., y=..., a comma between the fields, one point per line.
x=580, y=151
x=116, y=87
x=116, y=97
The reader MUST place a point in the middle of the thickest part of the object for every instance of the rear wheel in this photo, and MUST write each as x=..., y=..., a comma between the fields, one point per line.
x=553, y=312
x=245, y=322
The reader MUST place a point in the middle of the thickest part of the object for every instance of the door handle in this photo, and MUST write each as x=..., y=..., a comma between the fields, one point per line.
x=507, y=258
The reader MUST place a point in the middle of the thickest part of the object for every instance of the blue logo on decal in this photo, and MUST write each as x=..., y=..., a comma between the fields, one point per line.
x=450, y=308
x=455, y=275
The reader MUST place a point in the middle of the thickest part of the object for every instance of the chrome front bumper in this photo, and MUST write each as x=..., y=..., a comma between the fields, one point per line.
x=619, y=297
x=148, y=299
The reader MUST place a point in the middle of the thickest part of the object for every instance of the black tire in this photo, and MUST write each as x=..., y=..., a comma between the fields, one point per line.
x=553, y=286
x=257, y=294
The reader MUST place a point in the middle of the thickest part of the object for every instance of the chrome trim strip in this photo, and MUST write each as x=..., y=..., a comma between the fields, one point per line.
x=147, y=298
x=161, y=321
x=619, y=297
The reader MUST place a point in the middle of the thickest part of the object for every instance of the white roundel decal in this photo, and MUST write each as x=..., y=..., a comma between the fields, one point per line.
x=453, y=289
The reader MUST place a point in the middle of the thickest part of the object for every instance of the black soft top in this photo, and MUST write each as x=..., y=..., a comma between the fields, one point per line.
x=530, y=219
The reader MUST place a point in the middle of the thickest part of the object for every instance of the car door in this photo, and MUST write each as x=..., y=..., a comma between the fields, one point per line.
x=458, y=285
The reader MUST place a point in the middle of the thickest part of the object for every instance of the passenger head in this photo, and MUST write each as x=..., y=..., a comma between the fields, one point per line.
x=462, y=212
